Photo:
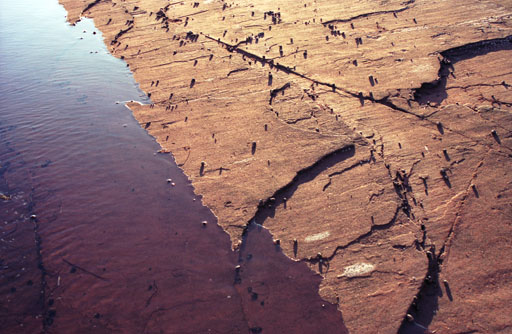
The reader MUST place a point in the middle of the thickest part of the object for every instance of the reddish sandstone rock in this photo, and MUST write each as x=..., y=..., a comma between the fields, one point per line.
x=373, y=122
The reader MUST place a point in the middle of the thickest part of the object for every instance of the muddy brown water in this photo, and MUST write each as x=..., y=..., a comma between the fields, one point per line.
x=93, y=238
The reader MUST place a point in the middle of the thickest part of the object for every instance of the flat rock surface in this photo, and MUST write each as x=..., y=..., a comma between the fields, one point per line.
x=372, y=139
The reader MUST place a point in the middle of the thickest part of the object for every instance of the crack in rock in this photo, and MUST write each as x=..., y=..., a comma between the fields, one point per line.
x=89, y=6
x=346, y=169
x=274, y=92
x=325, y=259
x=443, y=252
x=267, y=208
x=425, y=304
x=360, y=16
x=429, y=90
x=286, y=69
x=121, y=33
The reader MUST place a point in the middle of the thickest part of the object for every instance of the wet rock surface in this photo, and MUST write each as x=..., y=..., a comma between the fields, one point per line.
x=372, y=140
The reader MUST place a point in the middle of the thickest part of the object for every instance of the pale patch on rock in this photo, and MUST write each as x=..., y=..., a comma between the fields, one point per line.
x=318, y=236
x=359, y=269
x=423, y=68
x=243, y=161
